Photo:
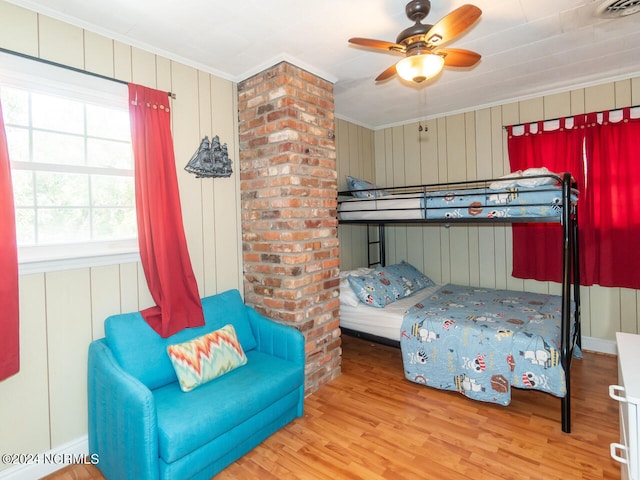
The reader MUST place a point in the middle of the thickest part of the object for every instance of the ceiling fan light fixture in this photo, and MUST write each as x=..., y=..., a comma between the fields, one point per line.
x=418, y=68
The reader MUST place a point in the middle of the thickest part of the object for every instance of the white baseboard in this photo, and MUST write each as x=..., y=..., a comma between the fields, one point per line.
x=48, y=462
x=599, y=345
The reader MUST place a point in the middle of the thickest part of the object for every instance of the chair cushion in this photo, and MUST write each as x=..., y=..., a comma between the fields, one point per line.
x=228, y=307
x=187, y=421
x=143, y=353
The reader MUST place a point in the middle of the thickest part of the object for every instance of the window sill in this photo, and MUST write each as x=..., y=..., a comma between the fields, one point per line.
x=61, y=264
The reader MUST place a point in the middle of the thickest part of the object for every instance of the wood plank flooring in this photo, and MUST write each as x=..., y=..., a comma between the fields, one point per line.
x=370, y=423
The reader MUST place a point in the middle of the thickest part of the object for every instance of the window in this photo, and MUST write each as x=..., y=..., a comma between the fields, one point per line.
x=72, y=164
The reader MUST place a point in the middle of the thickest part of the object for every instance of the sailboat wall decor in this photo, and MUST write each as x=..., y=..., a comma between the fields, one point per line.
x=210, y=160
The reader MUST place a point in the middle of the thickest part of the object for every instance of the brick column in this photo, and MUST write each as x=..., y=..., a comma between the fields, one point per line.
x=289, y=199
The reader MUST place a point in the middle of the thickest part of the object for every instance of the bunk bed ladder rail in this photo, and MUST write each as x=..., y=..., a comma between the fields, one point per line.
x=377, y=241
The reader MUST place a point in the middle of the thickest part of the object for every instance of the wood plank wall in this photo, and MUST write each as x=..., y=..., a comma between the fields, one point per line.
x=44, y=405
x=468, y=146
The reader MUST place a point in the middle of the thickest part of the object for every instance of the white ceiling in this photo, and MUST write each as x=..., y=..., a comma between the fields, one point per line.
x=528, y=47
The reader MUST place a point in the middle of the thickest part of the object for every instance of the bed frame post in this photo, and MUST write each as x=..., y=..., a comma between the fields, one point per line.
x=568, y=261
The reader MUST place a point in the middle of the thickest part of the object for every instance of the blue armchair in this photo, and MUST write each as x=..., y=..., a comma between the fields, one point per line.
x=142, y=426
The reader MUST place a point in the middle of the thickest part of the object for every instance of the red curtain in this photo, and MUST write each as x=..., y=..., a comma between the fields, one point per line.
x=537, y=247
x=613, y=156
x=604, y=158
x=163, y=246
x=9, y=300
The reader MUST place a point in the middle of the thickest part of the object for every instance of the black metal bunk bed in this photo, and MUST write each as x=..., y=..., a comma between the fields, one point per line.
x=377, y=207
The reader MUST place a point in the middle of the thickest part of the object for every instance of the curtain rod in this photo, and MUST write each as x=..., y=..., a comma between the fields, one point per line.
x=68, y=67
x=568, y=116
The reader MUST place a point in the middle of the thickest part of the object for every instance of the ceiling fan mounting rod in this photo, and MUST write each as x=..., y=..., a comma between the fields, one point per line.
x=416, y=10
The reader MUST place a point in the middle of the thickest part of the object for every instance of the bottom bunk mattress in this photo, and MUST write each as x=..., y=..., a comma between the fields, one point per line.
x=481, y=342
x=378, y=322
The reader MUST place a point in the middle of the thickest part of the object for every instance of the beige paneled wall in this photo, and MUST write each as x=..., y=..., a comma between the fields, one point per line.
x=354, y=147
x=44, y=405
x=469, y=146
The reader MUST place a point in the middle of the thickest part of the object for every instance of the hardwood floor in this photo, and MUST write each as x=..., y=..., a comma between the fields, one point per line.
x=370, y=423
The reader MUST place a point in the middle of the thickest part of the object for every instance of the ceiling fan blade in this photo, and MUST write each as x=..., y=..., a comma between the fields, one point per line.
x=456, y=57
x=388, y=73
x=379, y=44
x=452, y=25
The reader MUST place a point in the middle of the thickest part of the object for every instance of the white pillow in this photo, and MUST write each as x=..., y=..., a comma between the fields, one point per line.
x=357, y=272
x=347, y=295
x=519, y=179
x=510, y=183
x=534, y=182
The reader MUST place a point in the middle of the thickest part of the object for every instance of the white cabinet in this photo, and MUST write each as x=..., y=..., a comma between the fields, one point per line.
x=627, y=393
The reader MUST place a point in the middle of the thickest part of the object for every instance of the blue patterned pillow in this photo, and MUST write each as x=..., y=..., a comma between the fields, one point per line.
x=410, y=277
x=385, y=285
x=377, y=289
x=364, y=189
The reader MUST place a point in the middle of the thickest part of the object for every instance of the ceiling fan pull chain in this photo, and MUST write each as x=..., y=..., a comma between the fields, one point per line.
x=423, y=103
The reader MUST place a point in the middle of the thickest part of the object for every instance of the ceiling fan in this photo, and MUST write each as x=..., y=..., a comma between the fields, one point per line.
x=420, y=43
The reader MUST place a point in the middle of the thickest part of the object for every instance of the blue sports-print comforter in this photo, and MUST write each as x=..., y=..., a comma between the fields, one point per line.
x=541, y=201
x=481, y=342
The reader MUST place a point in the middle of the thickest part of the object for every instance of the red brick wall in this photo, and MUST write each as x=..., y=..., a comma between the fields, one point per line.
x=289, y=200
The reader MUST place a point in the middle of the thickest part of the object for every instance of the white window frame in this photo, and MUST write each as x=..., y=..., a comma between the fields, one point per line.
x=36, y=76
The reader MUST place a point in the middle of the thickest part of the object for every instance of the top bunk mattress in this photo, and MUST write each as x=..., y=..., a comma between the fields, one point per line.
x=495, y=200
